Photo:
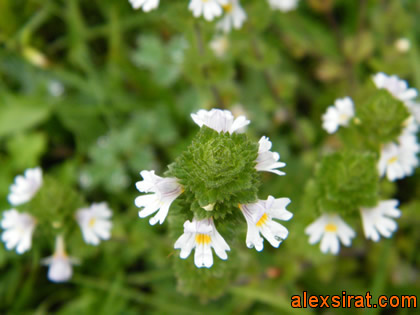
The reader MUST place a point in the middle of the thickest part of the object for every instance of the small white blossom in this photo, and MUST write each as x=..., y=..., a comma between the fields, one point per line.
x=202, y=235
x=402, y=45
x=26, y=186
x=268, y=161
x=234, y=16
x=414, y=109
x=60, y=264
x=219, y=120
x=379, y=220
x=338, y=115
x=208, y=8
x=164, y=192
x=219, y=45
x=55, y=88
x=146, y=5
x=394, y=85
x=283, y=5
x=391, y=162
x=95, y=222
x=259, y=218
x=409, y=148
x=330, y=229
x=18, y=229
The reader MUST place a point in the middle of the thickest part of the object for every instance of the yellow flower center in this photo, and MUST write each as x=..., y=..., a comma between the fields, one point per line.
x=92, y=222
x=330, y=227
x=227, y=7
x=262, y=220
x=202, y=239
x=392, y=160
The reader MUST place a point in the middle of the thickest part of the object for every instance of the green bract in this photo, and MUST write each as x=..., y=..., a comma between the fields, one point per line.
x=217, y=172
x=344, y=182
x=382, y=117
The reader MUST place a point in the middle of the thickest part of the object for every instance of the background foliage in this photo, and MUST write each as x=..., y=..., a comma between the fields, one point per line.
x=130, y=81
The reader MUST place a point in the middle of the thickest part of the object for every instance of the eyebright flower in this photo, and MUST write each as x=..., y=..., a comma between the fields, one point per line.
x=19, y=228
x=402, y=45
x=219, y=45
x=146, y=5
x=259, y=217
x=165, y=191
x=60, y=264
x=338, y=115
x=268, y=161
x=394, y=85
x=390, y=162
x=25, y=187
x=330, y=229
x=95, y=222
x=202, y=235
x=379, y=220
x=208, y=8
x=283, y=5
x=234, y=17
x=219, y=120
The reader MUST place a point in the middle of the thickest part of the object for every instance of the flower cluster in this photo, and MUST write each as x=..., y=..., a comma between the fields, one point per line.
x=19, y=227
x=233, y=14
x=218, y=183
x=397, y=159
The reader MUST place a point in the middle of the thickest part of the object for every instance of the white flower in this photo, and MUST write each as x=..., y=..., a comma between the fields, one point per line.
x=414, y=109
x=19, y=228
x=268, y=161
x=201, y=235
x=259, y=218
x=146, y=5
x=234, y=16
x=219, y=120
x=219, y=45
x=95, y=222
x=283, y=5
x=402, y=45
x=394, y=85
x=338, y=115
x=60, y=264
x=379, y=220
x=409, y=148
x=330, y=229
x=25, y=187
x=165, y=191
x=208, y=8
x=390, y=162
x=55, y=88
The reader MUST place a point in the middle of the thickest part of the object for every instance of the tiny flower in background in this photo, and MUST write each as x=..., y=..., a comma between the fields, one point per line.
x=330, y=229
x=219, y=45
x=201, y=235
x=379, y=220
x=208, y=8
x=26, y=186
x=146, y=5
x=402, y=45
x=219, y=120
x=234, y=16
x=409, y=148
x=60, y=264
x=19, y=228
x=165, y=191
x=259, y=217
x=390, y=162
x=338, y=115
x=55, y=88
x=268, y=161
x=394, y=85
x=95, y=222
x=283, y=5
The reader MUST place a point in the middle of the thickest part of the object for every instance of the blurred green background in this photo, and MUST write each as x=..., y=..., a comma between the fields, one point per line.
x=95, y=92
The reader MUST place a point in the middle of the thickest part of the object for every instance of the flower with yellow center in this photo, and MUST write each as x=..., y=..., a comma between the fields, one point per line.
x=208, y=8
x=330, y=229
x=390, y=162
x=202, y=235
x=259, y=217
x=95, y=222
x=234, y=16
x=338, y=115
x=18, y=229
